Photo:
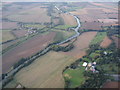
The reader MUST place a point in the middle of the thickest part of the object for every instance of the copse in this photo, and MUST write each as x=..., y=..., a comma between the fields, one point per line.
x=21, y=61
x=61, y=48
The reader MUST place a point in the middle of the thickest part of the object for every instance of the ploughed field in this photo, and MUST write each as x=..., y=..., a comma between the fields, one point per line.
x=25, y=49
x=111, y=85
x=69, y=20
x=95, y=16
x=29, y=14
x=106, y=42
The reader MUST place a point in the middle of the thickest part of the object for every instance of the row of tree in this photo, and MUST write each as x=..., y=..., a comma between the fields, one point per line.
x=62, y=48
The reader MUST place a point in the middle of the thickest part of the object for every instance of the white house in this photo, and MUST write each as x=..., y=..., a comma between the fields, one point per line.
x=84, y=64
x=105, y=52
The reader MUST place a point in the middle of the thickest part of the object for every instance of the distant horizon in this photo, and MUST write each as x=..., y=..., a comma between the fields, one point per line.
x=60, y=1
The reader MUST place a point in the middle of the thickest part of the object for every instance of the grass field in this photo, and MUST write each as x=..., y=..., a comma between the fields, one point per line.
x=98, y=38
x=62, y=35
x=7, y=35
x=75, y=77
x=92, y=55
x=65, y=26
x=46, y=69
x=34, y=25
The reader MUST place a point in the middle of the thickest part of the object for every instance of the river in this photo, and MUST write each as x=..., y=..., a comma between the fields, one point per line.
x=75, y=29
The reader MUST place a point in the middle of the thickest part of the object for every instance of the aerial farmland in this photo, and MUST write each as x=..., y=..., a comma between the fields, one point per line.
x=68, y=44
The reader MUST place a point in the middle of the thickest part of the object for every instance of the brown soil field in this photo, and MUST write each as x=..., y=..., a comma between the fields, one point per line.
x=117, y=41
x=35, y=14
x=28, y=48
x=81, y=45
x=80, y=12
x=112, y=85
x=113, y=21
x=68, y=19
x=93, y=13
x=104, y=5
x=19, y=33
x=5, y=45
x=114, y=15
x=106, y=42
x=9, y=25
x=92, y=25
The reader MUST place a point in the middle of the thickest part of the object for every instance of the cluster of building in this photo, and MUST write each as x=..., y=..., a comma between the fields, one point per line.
x=90, y=66
x=30, y=32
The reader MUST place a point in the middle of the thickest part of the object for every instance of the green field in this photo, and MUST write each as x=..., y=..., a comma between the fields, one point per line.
x=93, y=55
x=75, y=77
x=64, y=26
x=34, y=26
x=62, y=35
x=98, y=38
x=74, y=8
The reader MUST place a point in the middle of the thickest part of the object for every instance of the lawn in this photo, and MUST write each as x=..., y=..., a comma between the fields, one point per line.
x=93, y=55
x=86, y=59
x=75, y=77
x=98, y=38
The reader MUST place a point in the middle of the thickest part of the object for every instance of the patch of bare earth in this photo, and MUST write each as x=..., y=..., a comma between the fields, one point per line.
x=106, y=42
x=68, y=19
x=26, y=49
x=111, y=85
x=20, y=33
x=8, y=25
x=117, y=41
x=92, y=26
